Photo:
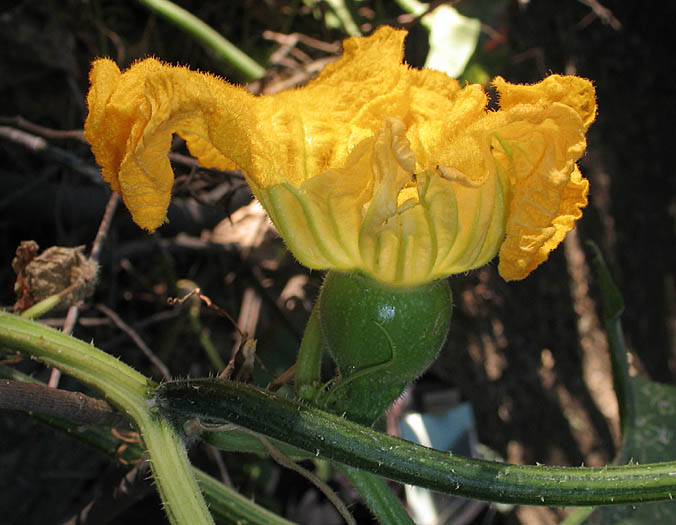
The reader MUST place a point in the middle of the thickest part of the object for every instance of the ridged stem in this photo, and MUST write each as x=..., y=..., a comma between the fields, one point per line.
x=335, y=438
x=129, y=391
x=225, y=503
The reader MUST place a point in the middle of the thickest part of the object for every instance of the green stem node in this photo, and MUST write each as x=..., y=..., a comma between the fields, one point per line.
x=129, y=391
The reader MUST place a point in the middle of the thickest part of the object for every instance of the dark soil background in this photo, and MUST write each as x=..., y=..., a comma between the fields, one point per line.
x=529, y=356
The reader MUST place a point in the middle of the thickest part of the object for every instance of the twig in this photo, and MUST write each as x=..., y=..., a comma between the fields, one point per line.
x=40, y=145
x=293, y=39
x=210, y=304
x=68, y=326
x=115, y=498
x=64, y=404
x=307, y=71
x=248, y=318
x=42, y=130
x=104, y=227
x=416, y=11
x=282, y=379
x=242, y=335
x=32, y=142
x=74, y=311
x=183, y=242
x=603, y=13
x=155, y=318
x=136, y=338
x=285, y=461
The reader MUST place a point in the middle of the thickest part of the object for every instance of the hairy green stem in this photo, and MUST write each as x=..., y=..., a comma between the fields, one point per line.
x=227, y=505
x=207, y=36
x=129, y=391
x=361, y=447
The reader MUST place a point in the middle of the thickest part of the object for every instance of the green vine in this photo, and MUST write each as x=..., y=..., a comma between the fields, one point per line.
x=330, y=436
x=129, y=391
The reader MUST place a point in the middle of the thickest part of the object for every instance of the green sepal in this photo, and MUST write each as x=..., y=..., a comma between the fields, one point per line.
x=380, y=338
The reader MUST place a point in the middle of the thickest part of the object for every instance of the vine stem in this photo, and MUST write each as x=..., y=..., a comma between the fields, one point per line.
x=358, y=446
x=207, y=36
x=226, y=505
x=130, y=392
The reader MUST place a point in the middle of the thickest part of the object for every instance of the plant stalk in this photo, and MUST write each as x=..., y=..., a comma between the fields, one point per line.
x=337, y=439
x=207, y=36
x=129, y=391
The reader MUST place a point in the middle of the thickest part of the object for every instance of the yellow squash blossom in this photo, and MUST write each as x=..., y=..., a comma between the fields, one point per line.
x=375, y=167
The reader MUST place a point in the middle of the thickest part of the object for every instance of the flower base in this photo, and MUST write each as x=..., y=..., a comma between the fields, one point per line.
x=380, y=338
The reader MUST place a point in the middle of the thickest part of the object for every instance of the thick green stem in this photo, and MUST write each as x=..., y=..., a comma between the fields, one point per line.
x=207, y=36
x=361, y=447
x=227, y=505
x=129, y=391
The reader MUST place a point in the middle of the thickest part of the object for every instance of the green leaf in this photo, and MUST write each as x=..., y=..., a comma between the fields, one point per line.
x=651, y=439
x=654, y=434
x=647, y=410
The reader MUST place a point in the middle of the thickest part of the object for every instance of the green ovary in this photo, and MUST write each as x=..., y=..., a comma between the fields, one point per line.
x=380, y=338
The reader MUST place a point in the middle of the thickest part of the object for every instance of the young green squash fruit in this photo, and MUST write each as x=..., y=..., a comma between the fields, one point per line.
x=381, y=339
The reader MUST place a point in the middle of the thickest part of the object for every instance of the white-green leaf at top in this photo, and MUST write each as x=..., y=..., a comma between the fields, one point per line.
x=452, y=37
x=453, y=40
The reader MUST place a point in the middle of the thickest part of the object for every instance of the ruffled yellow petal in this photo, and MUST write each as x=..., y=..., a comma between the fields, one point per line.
x=131, y=120
x=304, y=132
x=537, y=137
x=373, y=166
x=575, y=92
x=375, y=216
x=307, y=131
